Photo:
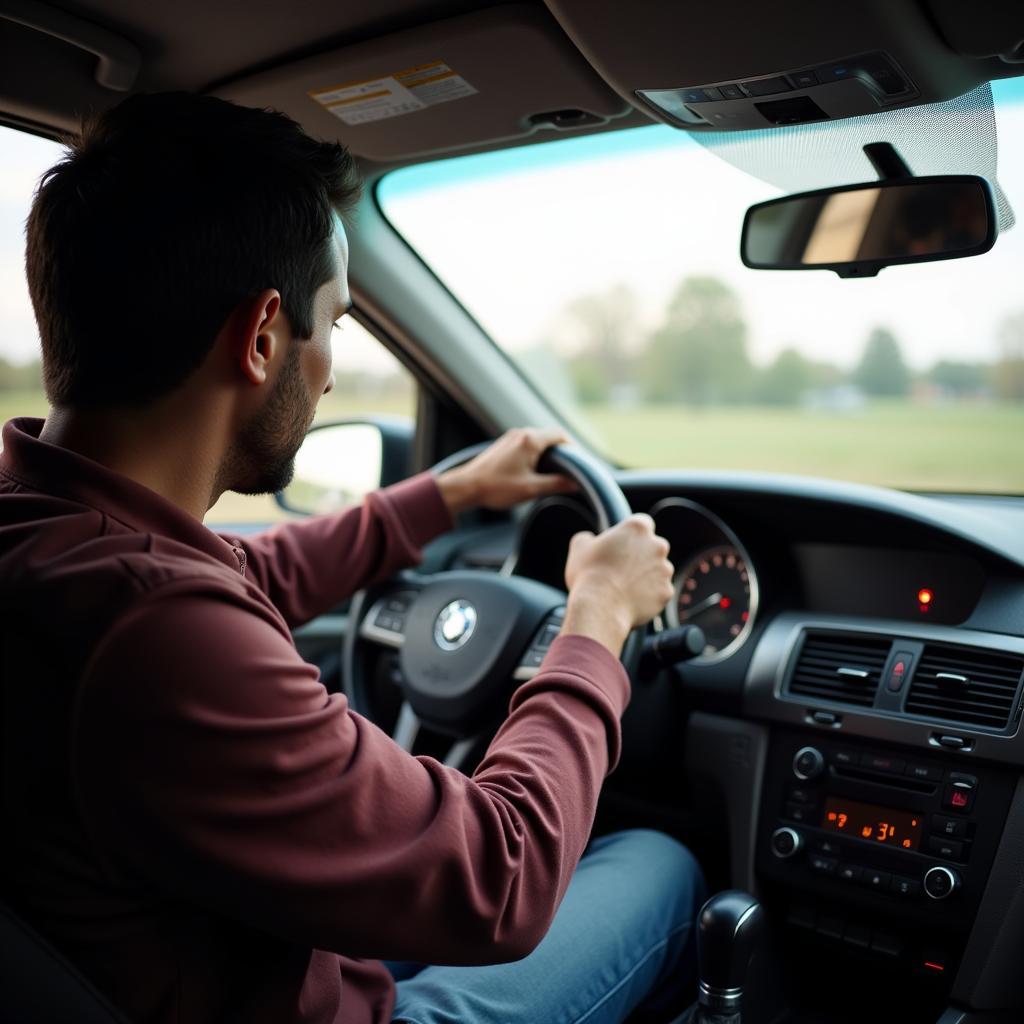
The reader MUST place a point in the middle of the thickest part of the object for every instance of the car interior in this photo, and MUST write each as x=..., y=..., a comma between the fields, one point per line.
x=828, y=713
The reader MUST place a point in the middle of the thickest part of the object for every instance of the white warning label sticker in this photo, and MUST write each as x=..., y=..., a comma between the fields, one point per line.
x=393, y=95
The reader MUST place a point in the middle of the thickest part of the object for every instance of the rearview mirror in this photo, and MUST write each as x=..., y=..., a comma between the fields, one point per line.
x=856, y=230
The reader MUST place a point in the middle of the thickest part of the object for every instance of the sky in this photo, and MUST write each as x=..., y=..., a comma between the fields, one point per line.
x=518, y=235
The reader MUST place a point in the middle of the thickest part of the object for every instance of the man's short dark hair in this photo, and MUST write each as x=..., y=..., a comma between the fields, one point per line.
x=169, y=210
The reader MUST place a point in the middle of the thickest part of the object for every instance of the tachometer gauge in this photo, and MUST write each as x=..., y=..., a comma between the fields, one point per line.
x=717, y=591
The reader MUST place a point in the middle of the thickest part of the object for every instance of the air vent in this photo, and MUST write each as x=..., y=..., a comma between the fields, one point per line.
x=964, y=684
x=840, y=667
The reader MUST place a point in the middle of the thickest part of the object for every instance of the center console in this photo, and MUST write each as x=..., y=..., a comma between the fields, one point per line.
x=874, y=795
x=880, y=849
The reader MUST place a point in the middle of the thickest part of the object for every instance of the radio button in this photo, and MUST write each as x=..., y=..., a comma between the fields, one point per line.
x=808, y=764
x=925, y=772
x=952, y=828
x=798, y=812
x=969, y=780
x=844, y=757
x=850, y=872
x=822, y=865
x=883, y=763
x=800, y=795
x=829, y=847
x=872, y=879
x=906, y=886
x=958, y=797
x=947, y=849
x=940, y=882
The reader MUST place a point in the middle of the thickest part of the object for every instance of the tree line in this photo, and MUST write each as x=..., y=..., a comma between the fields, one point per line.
x=698, y=356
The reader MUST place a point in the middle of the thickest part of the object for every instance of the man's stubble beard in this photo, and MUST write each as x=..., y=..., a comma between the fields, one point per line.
x=262, y=459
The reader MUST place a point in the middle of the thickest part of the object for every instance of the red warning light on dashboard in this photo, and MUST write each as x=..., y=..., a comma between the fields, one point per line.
x=924, y=596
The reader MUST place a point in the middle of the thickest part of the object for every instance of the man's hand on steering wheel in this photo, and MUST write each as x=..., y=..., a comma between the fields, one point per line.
x=505, y=473
x=617, y=581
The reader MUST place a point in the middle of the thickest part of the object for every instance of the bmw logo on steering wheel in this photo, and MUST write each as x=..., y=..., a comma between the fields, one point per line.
x=454, y=625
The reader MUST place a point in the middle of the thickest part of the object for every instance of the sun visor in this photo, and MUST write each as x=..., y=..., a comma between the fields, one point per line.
x=958, y=136
x=745, y=66
x=499, y=74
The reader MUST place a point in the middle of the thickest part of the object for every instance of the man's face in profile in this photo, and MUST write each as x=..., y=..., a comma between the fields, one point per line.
x=263, y=458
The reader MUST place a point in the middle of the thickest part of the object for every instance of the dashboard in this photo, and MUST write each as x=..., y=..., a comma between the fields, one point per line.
x=853, y=722
x=847, y=744
x=746, y=549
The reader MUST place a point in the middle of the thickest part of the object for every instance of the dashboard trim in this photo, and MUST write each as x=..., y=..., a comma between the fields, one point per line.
x=962, y=519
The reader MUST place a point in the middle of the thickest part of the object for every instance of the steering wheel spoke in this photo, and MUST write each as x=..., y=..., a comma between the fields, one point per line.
x=458, y=756
x=407, y=728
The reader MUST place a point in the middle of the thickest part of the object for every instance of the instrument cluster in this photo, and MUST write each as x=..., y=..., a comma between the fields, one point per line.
x=715, y=585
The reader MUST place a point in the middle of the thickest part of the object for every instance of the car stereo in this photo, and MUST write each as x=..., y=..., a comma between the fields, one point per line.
x=910, y=833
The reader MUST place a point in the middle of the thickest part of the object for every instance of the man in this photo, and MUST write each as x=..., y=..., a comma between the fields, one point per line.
x=202, y=829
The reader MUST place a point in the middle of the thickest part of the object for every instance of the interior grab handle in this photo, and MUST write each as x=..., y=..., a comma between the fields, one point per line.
x=117, y=60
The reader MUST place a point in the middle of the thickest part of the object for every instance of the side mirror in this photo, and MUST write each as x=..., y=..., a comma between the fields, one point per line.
x=343, y=460
x=858, y=229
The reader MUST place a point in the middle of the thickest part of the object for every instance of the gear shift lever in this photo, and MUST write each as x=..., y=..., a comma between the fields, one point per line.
x=731, y=924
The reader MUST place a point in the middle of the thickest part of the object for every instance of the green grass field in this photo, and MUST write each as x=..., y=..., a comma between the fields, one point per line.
x=952, y=447
x=955, y=447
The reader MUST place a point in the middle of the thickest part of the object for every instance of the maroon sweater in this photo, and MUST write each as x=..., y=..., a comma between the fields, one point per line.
x=195, y=821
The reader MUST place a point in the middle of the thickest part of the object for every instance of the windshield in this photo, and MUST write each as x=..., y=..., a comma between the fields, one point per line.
x=608, y=268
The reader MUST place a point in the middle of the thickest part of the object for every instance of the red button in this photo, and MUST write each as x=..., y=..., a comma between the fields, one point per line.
x=958, y=798
x=896, y=677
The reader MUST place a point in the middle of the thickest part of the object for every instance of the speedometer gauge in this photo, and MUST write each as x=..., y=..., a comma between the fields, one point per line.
x=716, y=591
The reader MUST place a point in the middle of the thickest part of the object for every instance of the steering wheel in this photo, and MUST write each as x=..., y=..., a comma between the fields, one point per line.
x=465, y=637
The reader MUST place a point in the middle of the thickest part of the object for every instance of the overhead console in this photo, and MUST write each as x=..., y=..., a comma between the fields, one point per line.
x=753, y=65
x=840, y=88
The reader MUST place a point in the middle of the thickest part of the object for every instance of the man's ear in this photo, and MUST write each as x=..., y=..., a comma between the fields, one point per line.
x=262, y=333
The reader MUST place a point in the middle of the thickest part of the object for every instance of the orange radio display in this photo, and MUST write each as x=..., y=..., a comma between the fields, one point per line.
x=873, y=823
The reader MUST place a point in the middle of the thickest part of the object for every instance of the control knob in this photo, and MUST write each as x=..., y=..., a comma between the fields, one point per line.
x=941, y=882
x=786, y=842
x=808, y=764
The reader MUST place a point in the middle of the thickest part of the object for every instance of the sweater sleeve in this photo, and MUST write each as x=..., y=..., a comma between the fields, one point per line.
x=308, y=567
x=219, y=767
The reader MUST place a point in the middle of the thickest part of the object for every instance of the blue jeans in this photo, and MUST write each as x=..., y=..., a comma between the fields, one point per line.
x=624, y=936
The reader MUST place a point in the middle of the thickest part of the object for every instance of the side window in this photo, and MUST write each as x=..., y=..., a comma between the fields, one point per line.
x=23, y=159
x=368, y=380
